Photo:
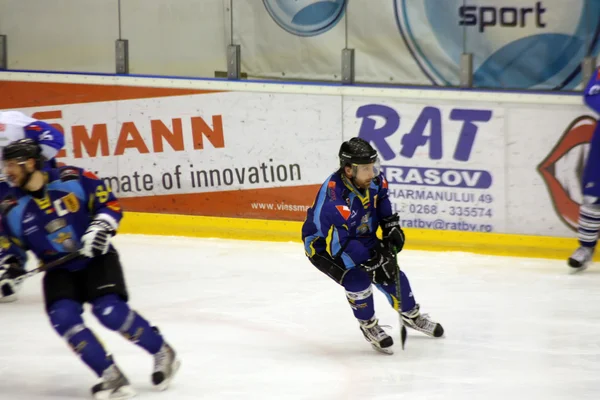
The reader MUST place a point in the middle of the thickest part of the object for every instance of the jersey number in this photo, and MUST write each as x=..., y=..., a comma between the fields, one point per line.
x=46, y=136
x=102, y=194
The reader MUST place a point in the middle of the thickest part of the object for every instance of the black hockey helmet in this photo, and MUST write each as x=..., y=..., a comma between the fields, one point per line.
x=357, y=151
x=22, y=150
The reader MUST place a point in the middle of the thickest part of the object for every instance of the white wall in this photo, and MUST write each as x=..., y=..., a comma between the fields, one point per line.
x=183, y=37
x=79, y=37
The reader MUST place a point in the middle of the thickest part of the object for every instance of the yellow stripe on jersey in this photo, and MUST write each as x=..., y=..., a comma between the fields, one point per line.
x=311, y=247
x=329, y=239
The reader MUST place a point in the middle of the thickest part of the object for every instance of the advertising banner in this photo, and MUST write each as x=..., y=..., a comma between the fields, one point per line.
x=228, y=154
x=445, y=163
x=481, y=167
x=547, y=148
x=486, y=165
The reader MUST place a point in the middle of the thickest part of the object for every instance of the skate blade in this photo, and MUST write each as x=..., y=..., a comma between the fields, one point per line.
x=124, y=392
x=164, y=385
x=9, y=299
x=387, y=350
x=573, y=269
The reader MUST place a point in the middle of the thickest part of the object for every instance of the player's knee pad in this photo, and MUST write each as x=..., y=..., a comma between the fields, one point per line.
x=65, y=316
x=112, y=311
x=356, y=280
x=330, y=267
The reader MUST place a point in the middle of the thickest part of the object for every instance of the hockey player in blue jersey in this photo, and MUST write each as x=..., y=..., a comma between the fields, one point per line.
x=589, y=212
x=57, y=212
x=339, y=236
x=15, y=125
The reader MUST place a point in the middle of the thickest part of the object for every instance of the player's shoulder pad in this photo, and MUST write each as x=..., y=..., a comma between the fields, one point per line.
x=7, y=204
x=69, y=173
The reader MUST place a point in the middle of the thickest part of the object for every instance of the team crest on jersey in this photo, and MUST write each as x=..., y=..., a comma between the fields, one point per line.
x=62, y=237
x=572, y=142
x=364, y=224
x=63, y=240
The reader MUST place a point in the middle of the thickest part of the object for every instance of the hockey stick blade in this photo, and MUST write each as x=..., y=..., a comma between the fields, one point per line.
x=402, y=335
x=47, y=266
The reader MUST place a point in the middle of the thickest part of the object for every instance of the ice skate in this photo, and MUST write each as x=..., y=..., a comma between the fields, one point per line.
x=7, y=293
x=113, y=386
x=421, y=322
x=375, y=335
x=166, y=365
x=9, y=285
x=581, y=258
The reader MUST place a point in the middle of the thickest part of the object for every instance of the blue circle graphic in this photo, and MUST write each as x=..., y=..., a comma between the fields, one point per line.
x=514, y=45
x=306, y=17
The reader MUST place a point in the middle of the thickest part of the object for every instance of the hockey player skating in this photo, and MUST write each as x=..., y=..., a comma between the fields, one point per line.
x=339, y=236
x=66, y=210
x=589, y=212
x=15, y=125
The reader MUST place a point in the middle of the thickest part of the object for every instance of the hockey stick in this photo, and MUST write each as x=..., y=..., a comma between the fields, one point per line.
x=399, y=299
x=47, y=266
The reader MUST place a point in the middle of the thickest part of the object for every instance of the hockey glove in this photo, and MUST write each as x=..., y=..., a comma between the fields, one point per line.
x=381, y=267
x=96, y=239
x=393, y=236
x=10, y=269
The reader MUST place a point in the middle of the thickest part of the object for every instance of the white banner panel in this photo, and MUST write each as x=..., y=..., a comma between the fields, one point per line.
x=205, y=142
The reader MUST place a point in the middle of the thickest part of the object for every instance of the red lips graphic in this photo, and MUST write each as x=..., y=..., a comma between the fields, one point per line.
x=580, y=131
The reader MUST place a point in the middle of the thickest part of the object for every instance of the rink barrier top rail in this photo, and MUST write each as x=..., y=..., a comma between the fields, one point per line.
x=257, y=86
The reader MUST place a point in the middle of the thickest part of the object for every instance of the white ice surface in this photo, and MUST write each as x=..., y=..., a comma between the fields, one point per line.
x=255, y=320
